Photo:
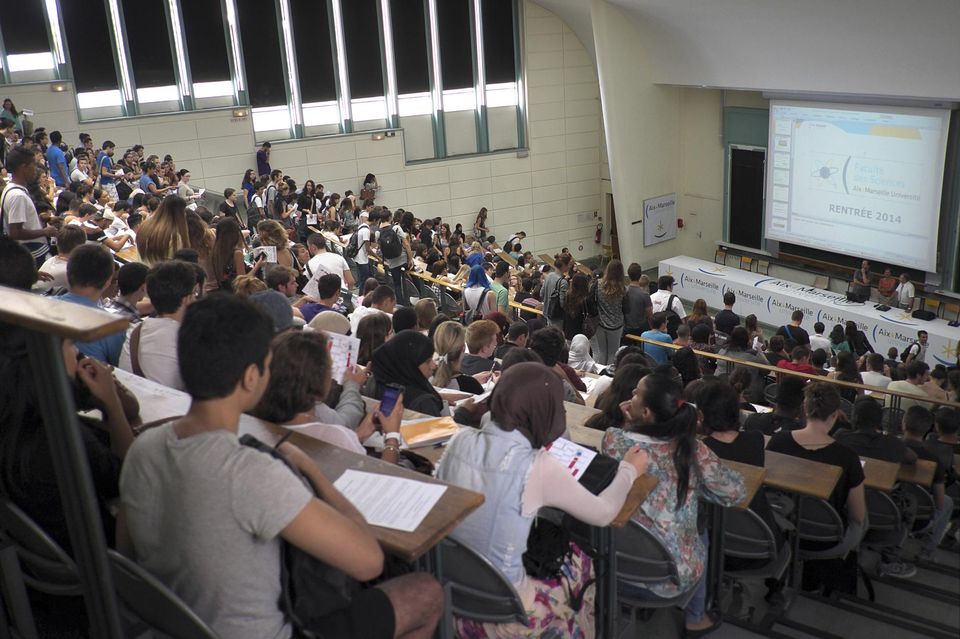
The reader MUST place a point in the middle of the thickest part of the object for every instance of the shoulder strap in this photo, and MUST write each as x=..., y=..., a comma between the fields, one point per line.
x=670, y=303
x=135, y=350
x=3, y=198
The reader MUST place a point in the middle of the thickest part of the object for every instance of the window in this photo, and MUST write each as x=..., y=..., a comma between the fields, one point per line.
x=410, y=46
x=456, y=48
x=148, y=40
x=498, y=43
x=24, y=27
x=205, y=40
x=260, y=39
x=91, y=50
x=363, y=48
x=312, y=36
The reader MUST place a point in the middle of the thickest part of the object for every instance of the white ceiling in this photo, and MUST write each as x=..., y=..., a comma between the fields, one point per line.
x=862, y=47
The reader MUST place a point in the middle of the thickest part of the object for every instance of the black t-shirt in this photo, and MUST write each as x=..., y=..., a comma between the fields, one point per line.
x=747, y=448
x=770, y=423
x=227, y=210
x=503, y=349
x=944, y=470
x=875, y=445
x=726, y=321
x=774, y=358
x=835, y=454
x=794, y=336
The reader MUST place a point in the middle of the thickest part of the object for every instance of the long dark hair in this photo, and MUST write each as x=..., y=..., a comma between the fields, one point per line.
x=579, y=289
x=620, y=390
x=372, y=332
x=674, y=420
x=228, y=240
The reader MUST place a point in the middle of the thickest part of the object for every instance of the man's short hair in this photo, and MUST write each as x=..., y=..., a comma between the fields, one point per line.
x=381, y=294
x=634, y=272
x=921, y=333
x=317, y=240
x=18, y=269
x=916, y=368
x=948, y=420
x=56, y=137
x=797, y=316
x=169, y=283
x=18, y=157
x=659, y=319
x=517, y=330
x=549, y=344
x=405, y=318
x=818, y=358
x=819, y=328
x=502, y=269
x=70, y=237
x=777, y=343
x=799, y=352
x=683, y=330
x=279, y=275
x=665, y=282
x=220, y=337
x=131, y=277
x=479, y=334
x=729, y=299
x=917, y=421
x=875, y=362
x=329, y=285
x=89, y=265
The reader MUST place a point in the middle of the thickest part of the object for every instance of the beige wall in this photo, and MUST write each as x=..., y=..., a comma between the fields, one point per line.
x=552, y=193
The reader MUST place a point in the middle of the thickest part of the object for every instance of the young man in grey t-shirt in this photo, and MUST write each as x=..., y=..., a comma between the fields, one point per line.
x=206, y=514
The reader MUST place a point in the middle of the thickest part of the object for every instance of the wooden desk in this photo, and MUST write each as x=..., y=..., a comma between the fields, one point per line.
x=800, y=476
x=546, y=259
x=129, y=255
x=577, y=416
x=878, y=474
x=57, y=317
x=920, y=472
x=753, y=477
x=453, y=507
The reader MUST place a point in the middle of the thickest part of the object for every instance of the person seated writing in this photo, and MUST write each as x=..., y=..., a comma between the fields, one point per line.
x=449, y=346
x=208, y=515
x=507, y=461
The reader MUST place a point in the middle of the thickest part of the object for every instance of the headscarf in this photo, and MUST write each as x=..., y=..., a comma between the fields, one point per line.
x=478, y=277
x=330, y=322
x=579, y=358
x=529, y=398
x=397, y=361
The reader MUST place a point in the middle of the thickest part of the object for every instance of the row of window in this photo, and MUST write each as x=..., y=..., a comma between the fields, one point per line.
x=162, y=51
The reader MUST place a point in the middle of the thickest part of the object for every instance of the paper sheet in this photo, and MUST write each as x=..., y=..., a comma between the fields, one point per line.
x=574, y=456
x=390, y=502
x=762, y=409
x=156, y=400
x=344, y=351
x=476, y=398
x=269, y=253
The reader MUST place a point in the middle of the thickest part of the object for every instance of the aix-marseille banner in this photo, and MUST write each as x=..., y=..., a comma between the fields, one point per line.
x=659, y=219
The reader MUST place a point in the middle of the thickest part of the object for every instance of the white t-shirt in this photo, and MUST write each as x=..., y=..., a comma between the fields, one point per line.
x=157, y=353
x=78, y=176
x=363, y=241
x=873, y=378
x=55, y=267
x=819, y=341
x=18, y=208
x=905, y=292
x=359, y=313
x=321, y=264
x=660, y=298
x=335, y=434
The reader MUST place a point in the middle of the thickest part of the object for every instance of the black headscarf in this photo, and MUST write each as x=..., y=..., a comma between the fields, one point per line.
x=529, y=398
x=397, y=361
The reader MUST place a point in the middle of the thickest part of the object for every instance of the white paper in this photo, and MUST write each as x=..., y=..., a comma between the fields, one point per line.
x=387, y=501
x=344, y=351
x=270, y=253
x=762, y=409
x=312, y=219
x=201, y=192
x=574, y=456
x=156, y=400
x=476, y=398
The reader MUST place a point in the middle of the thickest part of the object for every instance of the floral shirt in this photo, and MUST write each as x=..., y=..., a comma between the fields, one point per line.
x=677, y=529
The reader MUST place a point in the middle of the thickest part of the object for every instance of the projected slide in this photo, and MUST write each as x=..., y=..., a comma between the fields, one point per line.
x=858, y=180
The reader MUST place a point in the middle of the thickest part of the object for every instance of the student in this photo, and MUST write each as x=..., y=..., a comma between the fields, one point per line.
x=407, y=360
x=639, y=307
x=524, y=295
x=132, y=288
x=69, y=238
x=578, y=301
x=699, y=315
x=481, y=340
x=89, y=273
x=738, y=348
x=186, y=530
x=659, y=333
x=868, y=438
x=874, y=376
x=905, y=293
x=917, y=373
x=917, y=422
x=550, y=345
x=328, y=296
x=500, y=273
x=610, y=293
x=426, y=310
x=263, y=159
x=506, y=461
x=776, y=352
x=662, y=296
x=821, y=405
x=478, y=296
x=916, y=350
x=620, y=390
x=20, y=219
x=857, y=339
x=57, y=161
x=799, y=361
x=372, y=331
x=554, y=288
x=792, y=333
x=381, y=300
x=362, y=259
x=662, y=423
x=517, y=336
x=817, y=340
x=726, y=320
x=579, y=358
x=323, y=262
x=449, y=346
x=150, y=349
x=165, y=232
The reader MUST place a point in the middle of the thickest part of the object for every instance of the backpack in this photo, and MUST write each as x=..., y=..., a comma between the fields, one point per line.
x=906, y=351
x=390, y=244
x=474, y=314
x=353, y=246
x=556, y=311
x=673, y=320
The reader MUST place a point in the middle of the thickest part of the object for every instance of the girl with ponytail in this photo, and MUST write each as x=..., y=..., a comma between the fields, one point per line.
x=662, y=423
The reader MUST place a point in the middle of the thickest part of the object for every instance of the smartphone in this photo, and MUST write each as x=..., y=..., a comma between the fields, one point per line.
x=389, y=399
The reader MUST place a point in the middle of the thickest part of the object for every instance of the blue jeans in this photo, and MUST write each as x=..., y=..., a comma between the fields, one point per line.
x=364, y=271
x=697, y=607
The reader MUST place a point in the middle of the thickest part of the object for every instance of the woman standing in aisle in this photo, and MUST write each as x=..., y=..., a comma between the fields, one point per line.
x=611, y=296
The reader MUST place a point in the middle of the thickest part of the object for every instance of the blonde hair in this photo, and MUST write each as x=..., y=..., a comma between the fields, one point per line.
x=426, y=310
x=164, y=233
x=247, y=285
x=448, y=344
x=272, y=233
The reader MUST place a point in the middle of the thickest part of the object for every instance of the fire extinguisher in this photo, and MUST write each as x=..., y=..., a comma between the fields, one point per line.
x=596, y=236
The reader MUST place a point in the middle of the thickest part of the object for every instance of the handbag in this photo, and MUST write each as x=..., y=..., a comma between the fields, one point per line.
x=591, y=320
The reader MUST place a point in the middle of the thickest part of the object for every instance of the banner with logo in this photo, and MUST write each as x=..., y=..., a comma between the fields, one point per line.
x=659, y=219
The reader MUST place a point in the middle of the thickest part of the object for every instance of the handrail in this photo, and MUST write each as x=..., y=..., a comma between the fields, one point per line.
x=459, y=289
x=819, y=378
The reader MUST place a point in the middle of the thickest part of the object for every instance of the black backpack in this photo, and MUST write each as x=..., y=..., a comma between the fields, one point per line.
x=474, y=314
x=390, y=244
x=556, y=311
x=906, y=351
x=673, y=320
x=353, y=246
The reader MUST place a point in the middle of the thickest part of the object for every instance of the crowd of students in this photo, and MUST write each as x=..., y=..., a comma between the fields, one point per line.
x=241, y=334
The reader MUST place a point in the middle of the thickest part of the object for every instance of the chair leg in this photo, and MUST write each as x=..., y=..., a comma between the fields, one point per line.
x=15, y=594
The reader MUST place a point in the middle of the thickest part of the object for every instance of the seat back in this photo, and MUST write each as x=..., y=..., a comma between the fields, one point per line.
x=154, y=603
x=45, y=565
x=409, y=290
x=747, y=536
x=642, y=558
x=884, y=513
x=950, y=311
x=770, y=393
x=449, y=306
x=763, y=266
x=925, y=503
x=891, y=420
x=819, y=521
x=475, y=588
x=932, y=304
